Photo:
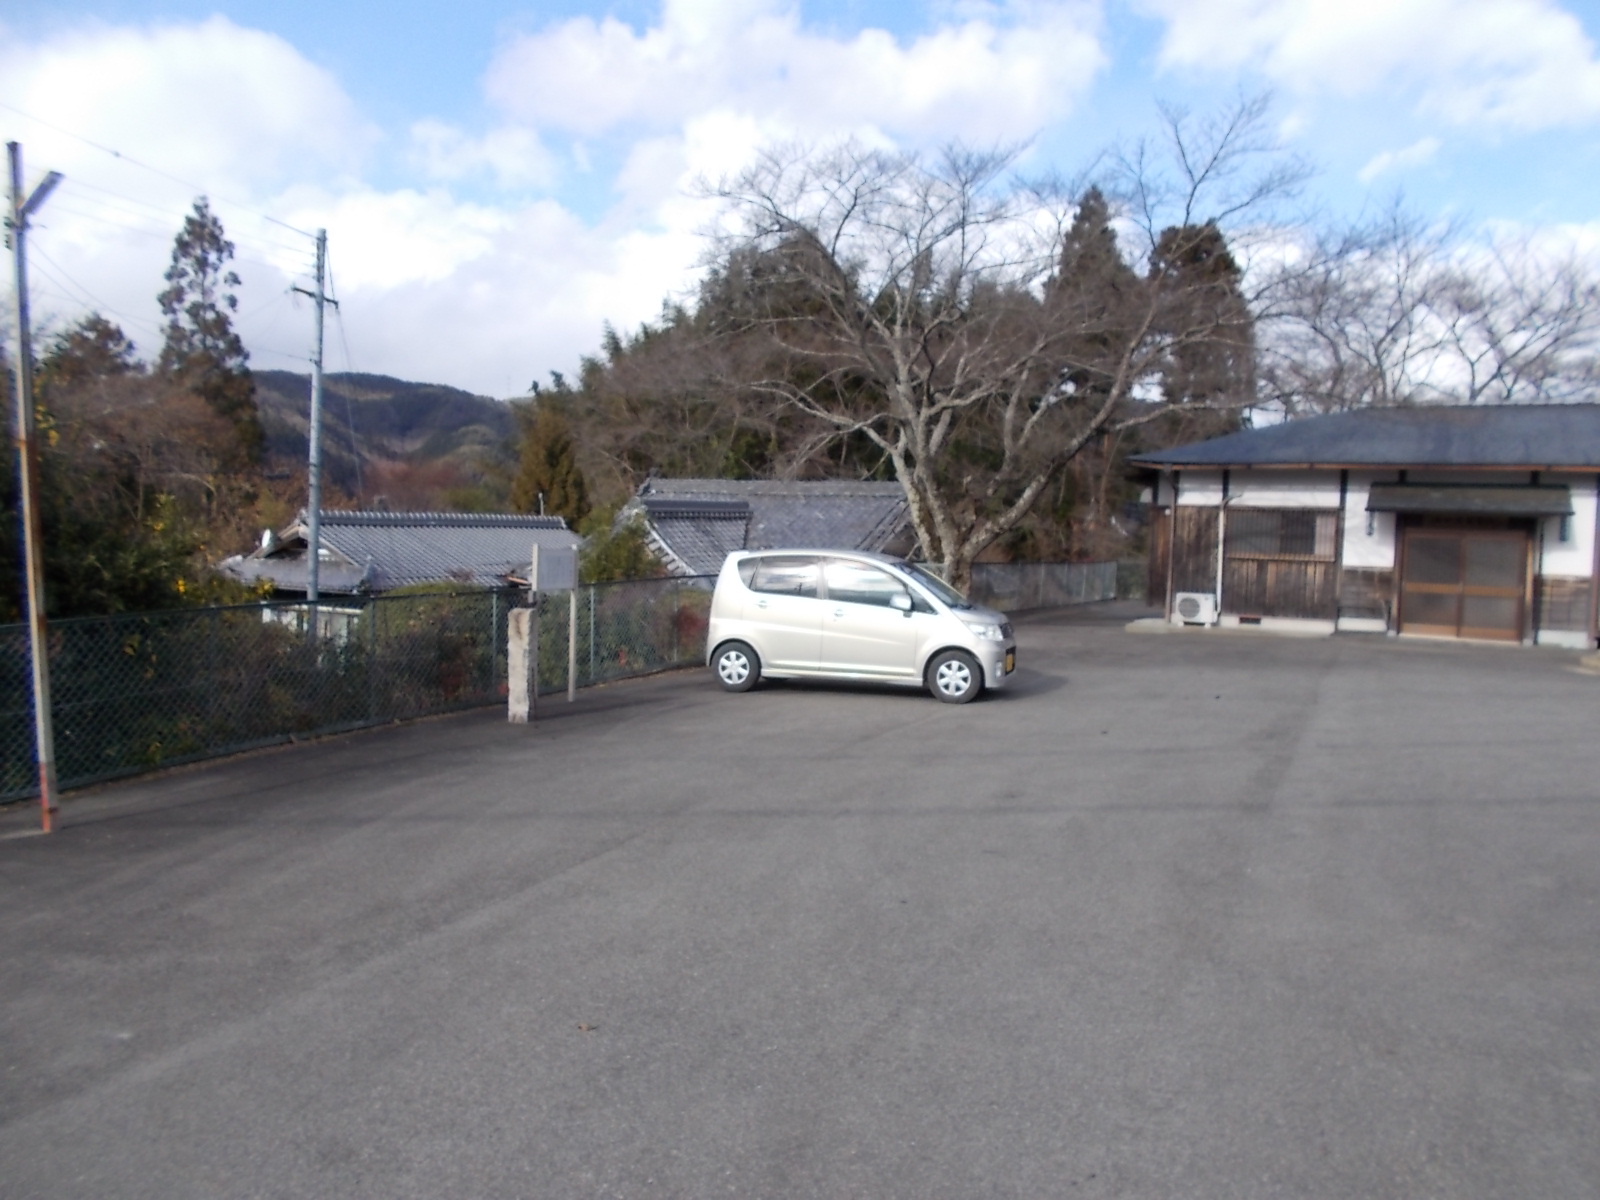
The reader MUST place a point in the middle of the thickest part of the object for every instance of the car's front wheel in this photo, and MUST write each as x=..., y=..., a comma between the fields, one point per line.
x=738, y=667
x=955, y=677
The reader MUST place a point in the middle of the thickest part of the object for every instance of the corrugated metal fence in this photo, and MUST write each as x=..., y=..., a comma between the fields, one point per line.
x=139, y=691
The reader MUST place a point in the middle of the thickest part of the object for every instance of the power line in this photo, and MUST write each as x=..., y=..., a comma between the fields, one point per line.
x=349, y=412
x=165, y=212
x=64, y=280
x=117, y=154
x=69, y=285
x=165, y=234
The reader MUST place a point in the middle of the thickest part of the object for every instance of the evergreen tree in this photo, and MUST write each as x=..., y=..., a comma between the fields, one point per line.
x=202, y=351
x=614, y=550
x=1095, y=293
x=1193, y=264
x=94, y=348
x=548, y=466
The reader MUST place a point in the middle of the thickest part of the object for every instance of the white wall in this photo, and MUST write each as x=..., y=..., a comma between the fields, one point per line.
x=1575, y=556
x=1200, y=487
x=1283, y=489
x=1258, y=489
x=1373, y=551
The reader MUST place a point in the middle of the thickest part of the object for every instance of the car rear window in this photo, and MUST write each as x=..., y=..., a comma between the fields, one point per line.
x=786, y=576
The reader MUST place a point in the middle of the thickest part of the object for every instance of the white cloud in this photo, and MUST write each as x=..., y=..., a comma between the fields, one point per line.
x=231, y=108
x=524, y=292
x=1414, y=155
x=513, y=155
x=997, y=73
x=1521, y=64
x=385, y=239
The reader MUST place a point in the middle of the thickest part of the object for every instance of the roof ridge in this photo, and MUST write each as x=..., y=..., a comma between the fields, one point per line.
x=381, y=518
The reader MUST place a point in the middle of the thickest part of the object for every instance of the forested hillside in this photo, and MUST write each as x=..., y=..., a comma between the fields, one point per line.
x=410, y=444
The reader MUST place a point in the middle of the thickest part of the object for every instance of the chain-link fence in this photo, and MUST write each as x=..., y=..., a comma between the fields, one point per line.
x=138, y=691
x=1017, y=587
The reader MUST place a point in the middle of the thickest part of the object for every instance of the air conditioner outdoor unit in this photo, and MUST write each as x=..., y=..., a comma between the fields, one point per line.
x=1194, y=608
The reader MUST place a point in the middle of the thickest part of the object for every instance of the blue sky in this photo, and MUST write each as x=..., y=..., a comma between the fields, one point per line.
x=499, y=180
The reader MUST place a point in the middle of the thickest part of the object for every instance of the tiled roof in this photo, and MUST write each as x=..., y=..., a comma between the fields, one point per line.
x=1505, y=435
x=698, y=521
x=379, y=551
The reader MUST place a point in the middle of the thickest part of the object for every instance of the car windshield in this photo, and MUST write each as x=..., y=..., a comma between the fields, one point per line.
x=935, y=585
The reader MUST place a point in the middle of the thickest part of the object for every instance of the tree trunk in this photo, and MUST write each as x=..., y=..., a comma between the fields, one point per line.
x=958, y=572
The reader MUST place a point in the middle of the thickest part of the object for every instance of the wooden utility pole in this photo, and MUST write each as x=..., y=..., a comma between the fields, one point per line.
x=28, y=479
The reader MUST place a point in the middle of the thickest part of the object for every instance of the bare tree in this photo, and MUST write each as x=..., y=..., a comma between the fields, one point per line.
x=1397, y=310
x=974, y=329
x=1522, y=324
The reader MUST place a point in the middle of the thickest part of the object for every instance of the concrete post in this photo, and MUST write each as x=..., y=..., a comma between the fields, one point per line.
x=521, y=653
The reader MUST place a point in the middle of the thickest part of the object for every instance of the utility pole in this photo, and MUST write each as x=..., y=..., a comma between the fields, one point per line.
x=314, y=534
x=28, y=478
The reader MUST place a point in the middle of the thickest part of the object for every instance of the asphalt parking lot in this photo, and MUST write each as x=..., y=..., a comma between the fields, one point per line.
x=1178, y=916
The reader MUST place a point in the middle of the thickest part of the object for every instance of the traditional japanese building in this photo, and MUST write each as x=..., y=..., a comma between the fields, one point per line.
x=1438, y=521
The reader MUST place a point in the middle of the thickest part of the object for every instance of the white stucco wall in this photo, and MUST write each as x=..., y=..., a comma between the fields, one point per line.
x=1283, y=489
x=1200, y=487
x=1258, y=489
x=1575, y=556
x=1374, y=551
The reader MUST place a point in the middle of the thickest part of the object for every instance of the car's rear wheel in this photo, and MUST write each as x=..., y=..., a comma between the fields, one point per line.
x=738, y=667
x=955, y=677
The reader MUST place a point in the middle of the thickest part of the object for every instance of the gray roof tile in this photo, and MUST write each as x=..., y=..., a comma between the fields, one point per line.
x=1533, y=436
x=699, y=521
x=379, y=551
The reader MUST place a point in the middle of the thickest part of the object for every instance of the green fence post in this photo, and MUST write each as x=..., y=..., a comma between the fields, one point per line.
x=372, y=659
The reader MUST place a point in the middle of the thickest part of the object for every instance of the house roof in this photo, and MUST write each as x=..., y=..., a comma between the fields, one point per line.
x=697, y=522
x=1533, y=436
x=379, y=551
x=1522, y=500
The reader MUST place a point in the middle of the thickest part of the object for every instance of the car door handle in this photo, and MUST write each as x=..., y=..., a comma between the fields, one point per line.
x=761, y=603
x=838, y=612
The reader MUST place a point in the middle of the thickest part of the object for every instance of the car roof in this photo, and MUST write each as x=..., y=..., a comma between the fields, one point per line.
x=869, y=555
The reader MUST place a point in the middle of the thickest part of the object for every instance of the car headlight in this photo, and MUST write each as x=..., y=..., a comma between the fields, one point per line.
x=985, y=630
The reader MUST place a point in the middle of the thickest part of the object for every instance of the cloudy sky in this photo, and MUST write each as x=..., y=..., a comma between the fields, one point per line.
x=497, y=181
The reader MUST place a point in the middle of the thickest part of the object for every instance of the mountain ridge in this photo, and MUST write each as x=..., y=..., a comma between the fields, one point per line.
x=377, y=427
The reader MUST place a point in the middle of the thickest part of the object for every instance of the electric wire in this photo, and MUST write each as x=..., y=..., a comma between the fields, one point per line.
x=349, y=412
x=74, y=291
x=159, y=210
x=64, y=280
x=159, y=235
x=121, y=157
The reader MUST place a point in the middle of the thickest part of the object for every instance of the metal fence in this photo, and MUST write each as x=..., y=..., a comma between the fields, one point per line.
x=138, y=691
x=1014, y=587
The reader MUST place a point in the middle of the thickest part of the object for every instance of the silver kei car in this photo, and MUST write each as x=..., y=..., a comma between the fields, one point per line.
x=836, y=614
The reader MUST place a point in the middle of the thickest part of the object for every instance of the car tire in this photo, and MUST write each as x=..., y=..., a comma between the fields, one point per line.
x=737, y=667
x=955, y=677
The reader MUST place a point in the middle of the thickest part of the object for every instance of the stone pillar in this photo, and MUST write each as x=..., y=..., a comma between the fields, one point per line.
x=521, y=654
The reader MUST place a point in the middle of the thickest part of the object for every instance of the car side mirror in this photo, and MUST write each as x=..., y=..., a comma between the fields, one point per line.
x=902, y=601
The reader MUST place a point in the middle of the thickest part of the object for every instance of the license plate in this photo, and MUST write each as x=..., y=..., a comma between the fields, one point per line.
x=1011, y=661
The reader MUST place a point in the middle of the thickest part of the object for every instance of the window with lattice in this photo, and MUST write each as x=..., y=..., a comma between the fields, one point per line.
x=1292, y=533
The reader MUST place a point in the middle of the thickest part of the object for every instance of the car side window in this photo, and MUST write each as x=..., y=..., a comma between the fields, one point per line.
x=860, y=583
x=785, y=576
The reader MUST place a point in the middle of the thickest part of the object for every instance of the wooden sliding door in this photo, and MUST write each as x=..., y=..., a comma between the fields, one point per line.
x=1464, y=583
